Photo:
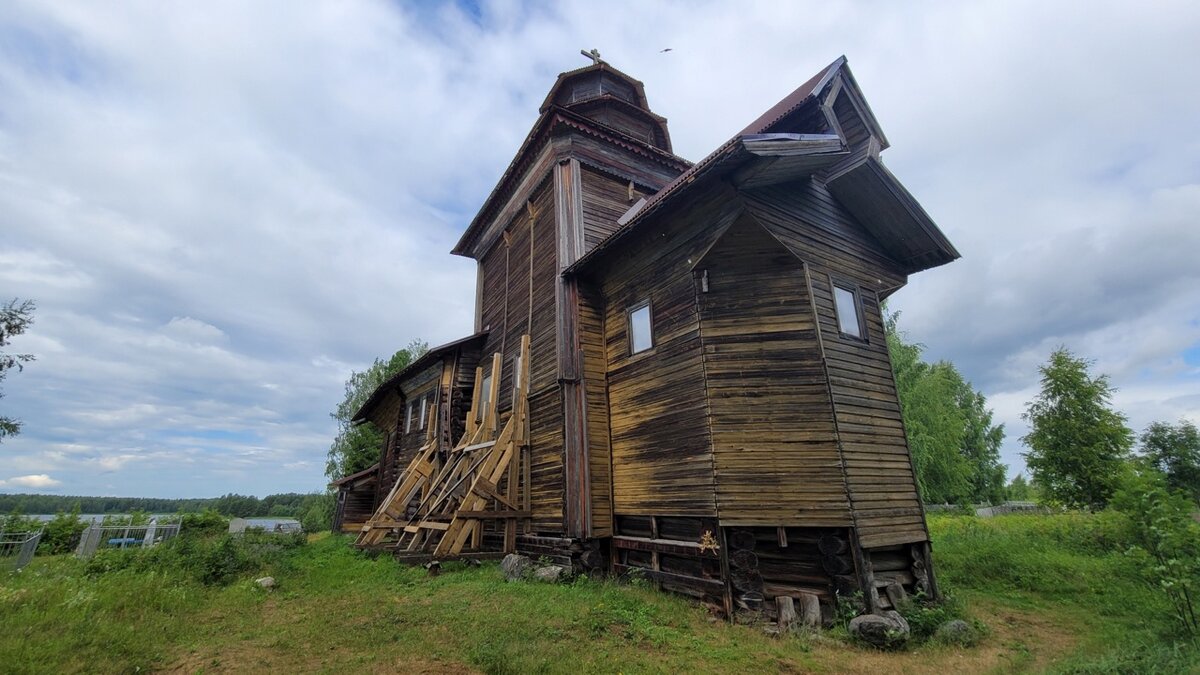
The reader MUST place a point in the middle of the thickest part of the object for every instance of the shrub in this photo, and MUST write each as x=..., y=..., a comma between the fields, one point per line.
x=316, y=514
x=133, y=518
x=925, y=617
x=62, y=533
x=214, y=561
x=15, y=522
x=1166, y=541
x=207, y=523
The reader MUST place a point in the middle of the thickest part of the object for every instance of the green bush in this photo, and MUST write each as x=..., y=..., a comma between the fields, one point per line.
x=15, y=522
x=62, y=533
x=213, y=561
x=316, y=514
x=133, y=518
x=207, y=523
x=925, y=618
x=1165, y=542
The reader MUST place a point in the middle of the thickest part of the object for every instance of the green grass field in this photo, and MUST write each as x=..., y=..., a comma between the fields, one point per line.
x=1055, y=592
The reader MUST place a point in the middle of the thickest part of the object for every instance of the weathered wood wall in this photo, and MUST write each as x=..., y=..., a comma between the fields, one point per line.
x=520, y=266
x=599, y=449
x=356, y=504
x=774, y=441
x=423, y=383
x=661, y=448
x=605, y=200
x=883, y=492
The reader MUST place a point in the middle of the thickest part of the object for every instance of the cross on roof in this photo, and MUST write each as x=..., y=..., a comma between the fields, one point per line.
x=594, y=55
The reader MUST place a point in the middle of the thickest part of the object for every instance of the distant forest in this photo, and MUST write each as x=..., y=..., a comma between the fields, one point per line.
x=288, y=505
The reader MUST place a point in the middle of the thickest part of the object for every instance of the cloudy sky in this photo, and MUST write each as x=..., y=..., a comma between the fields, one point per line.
x=222, y=208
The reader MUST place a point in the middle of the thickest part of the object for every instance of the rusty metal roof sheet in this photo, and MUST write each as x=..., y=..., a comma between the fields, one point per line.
x=790, y=103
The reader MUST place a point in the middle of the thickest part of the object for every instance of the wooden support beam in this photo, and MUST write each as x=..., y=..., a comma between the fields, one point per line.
x=498, y=515
x=785, y=609
x=810, y=610
x=455, y=497
x=697, y=582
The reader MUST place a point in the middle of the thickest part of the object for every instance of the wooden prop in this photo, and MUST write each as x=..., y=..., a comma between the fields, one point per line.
x=479, y=481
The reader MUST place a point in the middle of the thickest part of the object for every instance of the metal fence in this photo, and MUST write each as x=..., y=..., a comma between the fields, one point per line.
x=97, y=536
x=264, y=525
x=986, y=511
x=17, y=548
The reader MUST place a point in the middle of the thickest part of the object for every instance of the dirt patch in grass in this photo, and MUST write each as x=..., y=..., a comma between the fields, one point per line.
x=256, y=659
x=1018, y=641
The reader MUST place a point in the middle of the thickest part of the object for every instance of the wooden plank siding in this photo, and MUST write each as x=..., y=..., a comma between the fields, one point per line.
x=568, y=207
x=605, y=200
x=661, y=446
x=881, y=484
x=774, y=440
x=546, y=461
x=599, y=450
x=412, y=388
x=355, y=504
x=518, y=277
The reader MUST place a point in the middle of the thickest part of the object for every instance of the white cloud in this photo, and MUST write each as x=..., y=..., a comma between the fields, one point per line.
x=187, y=329
x=38, y=481
x=222, y=210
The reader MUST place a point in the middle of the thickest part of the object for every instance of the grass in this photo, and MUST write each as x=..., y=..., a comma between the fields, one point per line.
x=1073, y=569
x=1053, y=592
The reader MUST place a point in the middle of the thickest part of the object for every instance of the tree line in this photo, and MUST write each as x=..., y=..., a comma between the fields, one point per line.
x=1080, y=451
x=284, y=505
x=357, y=446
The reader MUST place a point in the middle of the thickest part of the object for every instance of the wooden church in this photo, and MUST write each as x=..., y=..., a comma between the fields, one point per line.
x=677, y=370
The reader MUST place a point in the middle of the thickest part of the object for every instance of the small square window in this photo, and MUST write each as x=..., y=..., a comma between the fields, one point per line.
x=846, y=302
x=641, y=335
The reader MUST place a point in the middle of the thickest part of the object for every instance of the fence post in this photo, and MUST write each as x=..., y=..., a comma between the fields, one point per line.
x=28, y=549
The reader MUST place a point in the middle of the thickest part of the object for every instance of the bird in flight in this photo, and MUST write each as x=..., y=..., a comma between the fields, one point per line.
x=663, y=51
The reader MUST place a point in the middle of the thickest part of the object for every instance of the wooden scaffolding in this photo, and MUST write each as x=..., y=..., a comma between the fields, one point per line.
x=441, y=501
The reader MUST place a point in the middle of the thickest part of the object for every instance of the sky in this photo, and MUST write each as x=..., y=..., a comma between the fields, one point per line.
x=221, y=209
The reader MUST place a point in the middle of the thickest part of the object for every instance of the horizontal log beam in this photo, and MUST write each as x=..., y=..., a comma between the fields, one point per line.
x=662, y=545
x=494, y=515
x=712, y=584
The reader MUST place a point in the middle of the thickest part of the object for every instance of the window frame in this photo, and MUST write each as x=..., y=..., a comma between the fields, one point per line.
x=408, y=415
x=856, y=293
x=485, y=392
x=424, y=411
x=629, y=312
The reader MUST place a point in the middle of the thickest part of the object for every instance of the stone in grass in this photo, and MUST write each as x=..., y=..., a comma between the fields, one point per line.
x=550, y=573
x=266, y=582
x=888, y=629
x=515, y=567
x=957, y=632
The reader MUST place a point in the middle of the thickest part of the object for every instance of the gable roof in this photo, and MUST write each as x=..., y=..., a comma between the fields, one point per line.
x=545, y=123
x=416, y=366
x=895, y=217
x=368, y=472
